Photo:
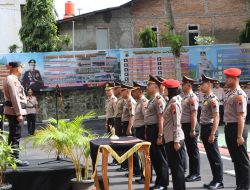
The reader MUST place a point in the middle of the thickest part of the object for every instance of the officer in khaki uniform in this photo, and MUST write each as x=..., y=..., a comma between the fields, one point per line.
x=118, y=109
x=128, y=116
x=139, y=124
x=173, y=134
x=162, y=88
x=190, y=104
x=110, y=104
x=14, y=106
x=31, y=108
x=154, y=133
x=235, y=111
x=220, y=94
x=209, y=134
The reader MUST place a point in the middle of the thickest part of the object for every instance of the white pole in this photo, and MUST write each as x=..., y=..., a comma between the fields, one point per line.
x=73, y=36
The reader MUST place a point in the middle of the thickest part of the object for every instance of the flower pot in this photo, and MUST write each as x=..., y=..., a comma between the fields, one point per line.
x=6, y=187
x=82, y=185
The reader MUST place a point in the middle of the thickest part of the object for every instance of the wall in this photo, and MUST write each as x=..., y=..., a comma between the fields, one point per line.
x=10, y=19
x=71, y=104
x=222, y=18
x=117, y=21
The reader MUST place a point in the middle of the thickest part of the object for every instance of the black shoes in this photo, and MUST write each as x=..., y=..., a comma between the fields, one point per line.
x=191, y=178
x=158, y=187
x=113, y=164
x=140, y=181
x=134, y=175
x=21, y=163
x=214, y=185
x=122, y=169
x=240, y=188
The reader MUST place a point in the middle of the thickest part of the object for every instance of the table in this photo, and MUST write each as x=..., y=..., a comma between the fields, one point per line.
x=120, y=149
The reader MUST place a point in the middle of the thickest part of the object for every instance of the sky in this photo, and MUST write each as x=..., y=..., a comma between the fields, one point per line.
x=87, y=5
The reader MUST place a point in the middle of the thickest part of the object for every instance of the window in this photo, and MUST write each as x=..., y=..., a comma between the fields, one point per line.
x=102, y=38
x=155, y=29
x=192, y=31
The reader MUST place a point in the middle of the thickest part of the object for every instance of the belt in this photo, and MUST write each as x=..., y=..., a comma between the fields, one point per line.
x=30, y=106
x=231, y=123
x=151, y=126
x=206, y=125
x=8, y=103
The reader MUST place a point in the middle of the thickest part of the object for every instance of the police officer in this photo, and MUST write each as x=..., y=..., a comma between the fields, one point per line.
x=32, y=78
x=236, y=132
x=154, y=133
x=139, y=124
x=219, y=93
x=190, y=105
x=31, y=108
x=15, y=106
x=110, y=106
x=247, y=90
x=209, y=134
x=118, y=109
x=173, y=134
x=128, y=114
x=162, y=87
x=117, y=114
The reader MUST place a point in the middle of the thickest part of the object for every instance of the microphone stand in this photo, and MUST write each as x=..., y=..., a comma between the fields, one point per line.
x=1, y=116
x=58, y=94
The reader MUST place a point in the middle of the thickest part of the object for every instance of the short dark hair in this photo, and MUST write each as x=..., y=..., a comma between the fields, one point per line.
x=173, y=92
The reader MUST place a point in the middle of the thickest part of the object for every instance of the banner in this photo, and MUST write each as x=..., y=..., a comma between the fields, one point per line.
x=83, y=69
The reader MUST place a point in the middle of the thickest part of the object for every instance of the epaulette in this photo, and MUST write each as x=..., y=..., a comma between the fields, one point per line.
x=158, y=96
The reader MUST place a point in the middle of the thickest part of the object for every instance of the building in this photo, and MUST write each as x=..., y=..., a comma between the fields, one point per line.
x=10, y=19
x=105, y=29
x=119, y=27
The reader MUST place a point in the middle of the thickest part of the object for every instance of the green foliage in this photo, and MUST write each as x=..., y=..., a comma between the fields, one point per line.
x=204, y=40
x=174, y=40
x=245, y=34
x=13, y=48
x=39, y=30
x=148, y=38
x=68, y=138
x=6, y=158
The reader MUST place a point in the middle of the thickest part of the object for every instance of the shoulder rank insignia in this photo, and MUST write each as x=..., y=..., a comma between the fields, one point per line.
x=191, y=101
x=213, y=103
x=173, y=108
x=239, y=99
x=158, y=96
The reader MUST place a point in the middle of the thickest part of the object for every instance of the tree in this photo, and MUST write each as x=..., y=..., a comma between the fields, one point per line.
x=148, y=37
x=39, y=31
x=245, y=34
x=175, y=41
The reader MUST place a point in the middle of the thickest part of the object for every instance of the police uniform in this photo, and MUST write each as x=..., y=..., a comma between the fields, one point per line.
x=155, y=107
x=118, y=112
x=236, y=102
x=139, y=124
x=173, y=134
x=32, y=78
x=205, y=66
x=15, y=105
x=189, y=104
x=127, y=112
x=247, y=90
x=210, y=106
x=110, y=104
x=220, y=94
x=31, y=109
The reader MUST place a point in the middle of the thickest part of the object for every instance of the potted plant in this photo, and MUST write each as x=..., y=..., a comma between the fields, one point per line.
x=6, y=159
x=78, y=151
x=71, y=139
